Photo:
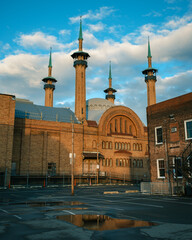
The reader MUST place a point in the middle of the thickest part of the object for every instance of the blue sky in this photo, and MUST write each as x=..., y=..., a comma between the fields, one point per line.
x=112, y=30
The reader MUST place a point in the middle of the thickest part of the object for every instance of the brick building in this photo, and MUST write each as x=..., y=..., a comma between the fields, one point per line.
x=108, y=140
x=170, y=136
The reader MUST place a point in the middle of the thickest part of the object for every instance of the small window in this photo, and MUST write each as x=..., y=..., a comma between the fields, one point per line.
x=111, y=162
x=124, y=163
x=160, y=168
x=130, y=130
x=141, y=163
x=120, y=163
x=103, y=162
x=127, y=163
x=116, y=145
x=138, y=163
x=117, y=162
x=119, y=146
x=107, y=162
x=173, y=129
x=134, y=163
x=103, y=145
x=158, y=135
x=120, y=125
x=123, y=146
x=107, y=145
x=51, y=169
x=111, y=128
x=115, y=125
x=125, y=126
x=110, y=145
x=129, y=146
x=134, y=147
x=177, y=167
x=188, y=129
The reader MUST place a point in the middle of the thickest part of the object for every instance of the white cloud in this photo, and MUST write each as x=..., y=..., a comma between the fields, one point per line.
x=178, y=22
x=39, y=40
x=96, y=27
x=97, y=15
x=64, y=32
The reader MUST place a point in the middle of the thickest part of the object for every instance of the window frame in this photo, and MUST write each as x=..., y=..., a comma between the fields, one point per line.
x=158, y=169
x=185, y=126
x=158, y=143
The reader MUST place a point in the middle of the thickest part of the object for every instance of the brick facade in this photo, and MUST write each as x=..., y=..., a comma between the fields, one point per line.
x=169, y=115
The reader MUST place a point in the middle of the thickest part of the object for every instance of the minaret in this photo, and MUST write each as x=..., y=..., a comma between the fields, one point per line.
x=150, y=79
x=110, y=91
x=80, y=65
x=49, y=86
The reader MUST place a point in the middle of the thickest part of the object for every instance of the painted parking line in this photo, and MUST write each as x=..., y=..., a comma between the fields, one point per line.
x=69, y=212
x=3, y=210
x=17, y=217
x=98, y=206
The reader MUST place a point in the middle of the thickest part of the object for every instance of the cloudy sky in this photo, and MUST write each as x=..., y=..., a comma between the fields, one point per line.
x=113, y=30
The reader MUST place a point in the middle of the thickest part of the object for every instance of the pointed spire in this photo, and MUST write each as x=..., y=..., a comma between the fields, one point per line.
x=50, y=59
x=149, y=49
x=110, y=76
x=80, y=30
x=50, y=64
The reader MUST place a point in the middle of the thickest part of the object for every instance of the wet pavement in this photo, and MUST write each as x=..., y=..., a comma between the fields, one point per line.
x=91, y=214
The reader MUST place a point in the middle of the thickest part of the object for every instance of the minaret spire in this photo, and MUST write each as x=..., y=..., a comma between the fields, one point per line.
x=49, y=86
x=110, y=91
x=150, y=79
x=80, y=35
x=50, y=63
x=149, y=55
x=80, y=65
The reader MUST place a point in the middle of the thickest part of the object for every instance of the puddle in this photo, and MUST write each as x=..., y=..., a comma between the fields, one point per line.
x=43, y=204
x=103, y=222
x=61, y=209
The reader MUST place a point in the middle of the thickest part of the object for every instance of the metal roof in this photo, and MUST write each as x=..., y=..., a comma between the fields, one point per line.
x=26, y=109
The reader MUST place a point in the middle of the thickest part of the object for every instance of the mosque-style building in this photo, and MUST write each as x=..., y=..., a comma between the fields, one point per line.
x=107, y=140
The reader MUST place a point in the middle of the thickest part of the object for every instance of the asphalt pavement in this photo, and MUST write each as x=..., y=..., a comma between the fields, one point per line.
x=93, y=212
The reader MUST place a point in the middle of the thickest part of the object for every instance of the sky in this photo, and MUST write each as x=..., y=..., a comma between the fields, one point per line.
x=115, y=31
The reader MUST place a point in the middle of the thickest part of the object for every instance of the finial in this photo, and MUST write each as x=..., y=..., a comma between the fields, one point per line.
x=149, y=49
x=110, y=76
x=80, y=29
x=50, y=60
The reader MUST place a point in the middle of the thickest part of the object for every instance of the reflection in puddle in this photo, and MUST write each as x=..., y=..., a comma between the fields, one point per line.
x=42, y=204
x=61, y=209
x=102, y=222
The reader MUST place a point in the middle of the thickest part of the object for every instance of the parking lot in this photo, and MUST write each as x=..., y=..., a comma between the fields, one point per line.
x=94, y=212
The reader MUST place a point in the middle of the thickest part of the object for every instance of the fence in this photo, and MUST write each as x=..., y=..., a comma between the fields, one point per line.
x=161, y=188
x=34, y=178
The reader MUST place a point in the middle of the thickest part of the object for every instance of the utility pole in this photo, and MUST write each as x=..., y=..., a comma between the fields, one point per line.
x=72, y=163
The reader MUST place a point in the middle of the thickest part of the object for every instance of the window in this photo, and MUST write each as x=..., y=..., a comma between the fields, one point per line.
x=103, y=163
x=110, y=145
x=107, y=145
x=124, y=162
x=115, y=125
x=120, y=125
x=127, y=163
x=119, y=146
x=51, y=169
x=125, y=126
x=130, y=130
x=103, y=145
x=158, y=135
x=129, y=146
x=107, y=162
x=111, y=162
x=134, y=147
x=120, y=163
x=141, y=164
x=138, y=163
x=173, y=129
x=116, y=145
x=160, y=168
x=123, y=145
x=110, y=127
x=177, y=167
x=117, y=162
x=188, y=129
x=134, y=163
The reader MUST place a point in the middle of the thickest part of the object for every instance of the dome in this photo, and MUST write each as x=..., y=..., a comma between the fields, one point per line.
x=95, y=107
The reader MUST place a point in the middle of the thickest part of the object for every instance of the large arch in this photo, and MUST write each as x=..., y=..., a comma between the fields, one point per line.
x=121, y=111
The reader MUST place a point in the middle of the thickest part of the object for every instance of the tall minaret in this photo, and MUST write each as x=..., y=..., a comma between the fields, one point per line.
x=110, y=91
x=80, y=65
x=150, y=79
x=49, y=86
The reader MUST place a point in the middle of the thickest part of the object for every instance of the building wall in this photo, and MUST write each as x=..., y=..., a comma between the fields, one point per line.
x=7, y=115
x=38, y=142
x=168, y=114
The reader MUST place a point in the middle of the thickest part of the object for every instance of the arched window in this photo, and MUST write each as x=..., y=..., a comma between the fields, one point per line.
x=107, y=145
x=141, y=164
x=103, y=163
x=120, y=163
x=111, y=162
x=120, y=125
x=130, y=130
x=94, y=145
x=125, y=126
x=116, y=125
x=138, y=163
x=134, y=163
x=125, y=146
x=122, y=146
x=134, y=147
x=119, y=146
x=107, y=162
x=116, y=145
x=140, y=147
x=129, y=146
x=103, y=145
x=110, y=145
x=137, y=146
x=124, y=163
x=117, y=162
